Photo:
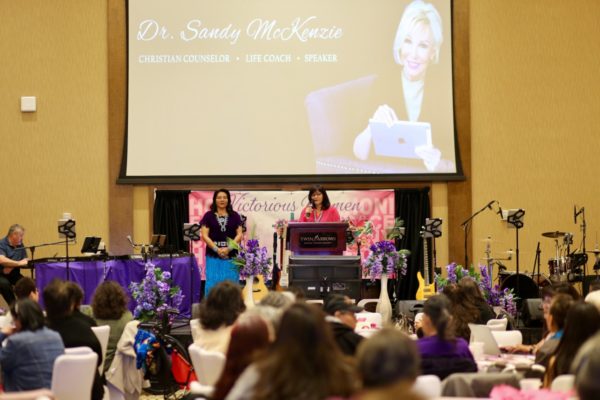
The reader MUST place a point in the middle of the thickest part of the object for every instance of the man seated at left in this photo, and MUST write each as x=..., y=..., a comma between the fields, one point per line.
x=12, y=258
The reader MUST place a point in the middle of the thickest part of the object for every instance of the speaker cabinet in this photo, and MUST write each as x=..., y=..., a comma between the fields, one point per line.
x=410, y=308
x=532, y=313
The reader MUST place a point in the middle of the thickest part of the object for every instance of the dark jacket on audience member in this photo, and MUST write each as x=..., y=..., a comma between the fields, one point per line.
x=345, y=337
x=85, y=318
x=74, y=333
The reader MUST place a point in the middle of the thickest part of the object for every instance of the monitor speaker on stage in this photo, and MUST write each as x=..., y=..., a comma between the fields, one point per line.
x=532, y=313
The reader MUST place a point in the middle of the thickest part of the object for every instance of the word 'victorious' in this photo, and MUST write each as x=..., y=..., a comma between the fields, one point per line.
x=258, y=29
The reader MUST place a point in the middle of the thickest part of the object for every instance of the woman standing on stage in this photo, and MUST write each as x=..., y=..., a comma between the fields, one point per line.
x=218, y=224
x=319, y=209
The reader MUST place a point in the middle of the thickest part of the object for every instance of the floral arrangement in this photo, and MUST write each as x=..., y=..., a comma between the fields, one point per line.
x=154, y=295
x=280, y=225
x=505, y=392
x=251, y=259
x=493, y=294
x=385, y=259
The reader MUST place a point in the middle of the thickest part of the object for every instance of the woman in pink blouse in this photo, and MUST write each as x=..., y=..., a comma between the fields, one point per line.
x=319, y=209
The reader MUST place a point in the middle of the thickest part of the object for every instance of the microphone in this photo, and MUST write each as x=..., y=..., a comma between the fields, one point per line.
x=130, y=240
x=308, y=211
x=489, y=205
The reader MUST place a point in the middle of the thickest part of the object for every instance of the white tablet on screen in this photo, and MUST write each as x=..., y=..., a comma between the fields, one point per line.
x=399, y=139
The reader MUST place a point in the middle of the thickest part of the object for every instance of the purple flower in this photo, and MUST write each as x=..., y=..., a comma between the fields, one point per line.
x=253, y=260
x=154, y=295
x=384, y=258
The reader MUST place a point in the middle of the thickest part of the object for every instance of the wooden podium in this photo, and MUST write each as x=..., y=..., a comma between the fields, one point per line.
x=317, y=264
x=317, y=238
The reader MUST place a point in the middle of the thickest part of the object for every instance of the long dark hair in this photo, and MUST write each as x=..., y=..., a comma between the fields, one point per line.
x=583, y=321
x=462, y=309
x=437, y=309
x=29, y=313
x=304, y=362
x=249, y=335
x=213, y=206
x=222, y=306
x=318, y=188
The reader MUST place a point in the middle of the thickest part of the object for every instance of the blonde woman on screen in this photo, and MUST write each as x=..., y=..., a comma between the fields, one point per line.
x=416, y=46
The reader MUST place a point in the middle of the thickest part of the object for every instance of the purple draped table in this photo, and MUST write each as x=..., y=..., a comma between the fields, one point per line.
x=90, y=273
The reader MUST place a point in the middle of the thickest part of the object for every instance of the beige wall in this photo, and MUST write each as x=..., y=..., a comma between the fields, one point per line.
x=535, y=86
x=55, y=159
x=534, y=104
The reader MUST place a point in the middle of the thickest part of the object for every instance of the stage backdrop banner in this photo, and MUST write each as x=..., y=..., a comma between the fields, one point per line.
x=263, y=208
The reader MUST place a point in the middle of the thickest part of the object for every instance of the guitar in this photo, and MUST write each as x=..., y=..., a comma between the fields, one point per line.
x=259, y=289
x=284, y=280
x=426, y=288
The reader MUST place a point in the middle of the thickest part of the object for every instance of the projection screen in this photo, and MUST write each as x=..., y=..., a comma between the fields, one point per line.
x=273, y=90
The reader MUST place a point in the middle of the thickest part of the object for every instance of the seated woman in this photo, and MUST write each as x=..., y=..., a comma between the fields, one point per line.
x=388, y=364
x=464, y=311
x=555, y=321
x=27, y=357
x=109, y=305
x=302, y=363
x=218, y=312
x=441, y=353
x=582, y=322
x=249, y=336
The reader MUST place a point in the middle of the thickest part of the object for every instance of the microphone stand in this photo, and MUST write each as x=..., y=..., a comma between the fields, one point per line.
x=466, y=225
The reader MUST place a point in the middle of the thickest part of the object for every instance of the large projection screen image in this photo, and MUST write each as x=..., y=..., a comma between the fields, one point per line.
x=280, y=88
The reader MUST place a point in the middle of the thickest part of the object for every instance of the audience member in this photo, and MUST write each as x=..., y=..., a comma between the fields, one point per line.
x=27, y=356
x=582, y=322
x=593, y=297
x=76, y=296
x=441, y=353
x=74, y=331
x=463, y=311
x=555, y=320
x=342, y=319
x=25, y=289
x=302, y=363
x=109, y=305
x=218, y=312
x=388, y=364
x=587, y=384
x=471, y=291
x=249, y=336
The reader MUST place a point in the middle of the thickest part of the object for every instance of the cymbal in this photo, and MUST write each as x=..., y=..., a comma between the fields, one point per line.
x=595, y=251
x=554, y=235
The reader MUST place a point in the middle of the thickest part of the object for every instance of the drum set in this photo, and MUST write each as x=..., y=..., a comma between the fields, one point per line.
x=564, y=267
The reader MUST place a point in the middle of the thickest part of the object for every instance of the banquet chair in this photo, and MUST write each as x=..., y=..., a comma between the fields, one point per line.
x=208, y=366
x=194, y=327
x=102, y=333
x=563, y=383
x=428, y=386
x=73, y=376
x=37, y=394
x=508, y=338
x=78, y=350
x=498, y=324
